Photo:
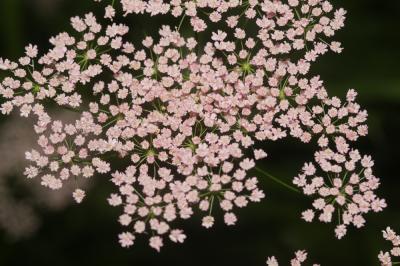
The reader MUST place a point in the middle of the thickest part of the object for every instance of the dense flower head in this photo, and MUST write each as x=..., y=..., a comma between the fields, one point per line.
x=343, y=184
x=385, y=258
x=184, y=115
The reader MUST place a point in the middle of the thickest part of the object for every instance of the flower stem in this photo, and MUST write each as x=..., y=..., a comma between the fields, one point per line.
x=180, y=23
x=277, y=180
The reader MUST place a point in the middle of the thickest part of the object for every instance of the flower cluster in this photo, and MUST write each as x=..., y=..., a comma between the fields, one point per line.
x=300, y=258
x=346, y=185
x=20, y=213
x=385, y=257
x=182, y=116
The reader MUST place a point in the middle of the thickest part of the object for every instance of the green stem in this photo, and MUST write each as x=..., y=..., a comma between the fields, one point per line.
x=277, y=180
x=110, y=122
x=180, y=23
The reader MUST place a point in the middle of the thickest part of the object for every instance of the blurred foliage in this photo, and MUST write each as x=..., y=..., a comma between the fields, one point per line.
x=86, y=234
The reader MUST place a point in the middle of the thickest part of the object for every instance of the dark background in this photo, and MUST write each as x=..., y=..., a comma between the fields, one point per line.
x=86, y=234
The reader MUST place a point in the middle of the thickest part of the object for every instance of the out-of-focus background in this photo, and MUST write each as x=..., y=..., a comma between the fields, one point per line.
x=40, y=228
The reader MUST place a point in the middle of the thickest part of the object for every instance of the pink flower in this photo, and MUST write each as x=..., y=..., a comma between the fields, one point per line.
x=79, y=195
x=208, y=221
x=230, y=218
x=156, y=243
x=177, y=236
x=31, y=51
x=126, y=239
